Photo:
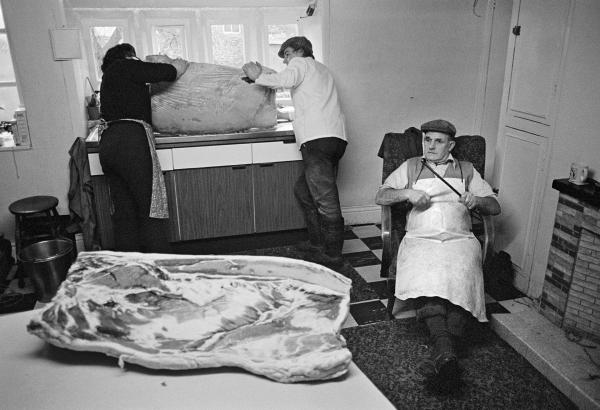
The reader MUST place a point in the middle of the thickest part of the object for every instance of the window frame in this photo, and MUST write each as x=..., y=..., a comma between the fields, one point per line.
x=86, y=22
x=139, y=23
x=16, y=85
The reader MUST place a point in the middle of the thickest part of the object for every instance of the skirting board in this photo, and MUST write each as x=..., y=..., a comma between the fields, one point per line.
x=356, y=215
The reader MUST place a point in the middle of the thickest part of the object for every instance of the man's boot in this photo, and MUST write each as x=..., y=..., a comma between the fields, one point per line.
x=457, y=319
x=442, y=362
x=333, y=238
x=315, y=236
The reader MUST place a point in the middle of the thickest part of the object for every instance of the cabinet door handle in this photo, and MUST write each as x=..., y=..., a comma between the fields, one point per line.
x=270, y=164
x=238, y=167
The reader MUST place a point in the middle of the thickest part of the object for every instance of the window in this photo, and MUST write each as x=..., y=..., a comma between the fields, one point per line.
x=277, y=34
x=9, y=94
x=220, y=32
x=228, y=47
x=169, y=40
x=231, y=28
x=103, y=38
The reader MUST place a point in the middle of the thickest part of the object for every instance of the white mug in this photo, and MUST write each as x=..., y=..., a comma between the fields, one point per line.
x=579, y=173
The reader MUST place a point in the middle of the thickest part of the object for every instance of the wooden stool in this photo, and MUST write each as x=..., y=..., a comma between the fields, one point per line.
x=25, y=208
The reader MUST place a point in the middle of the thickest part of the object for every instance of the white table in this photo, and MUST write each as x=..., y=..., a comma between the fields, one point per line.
x=36, y=375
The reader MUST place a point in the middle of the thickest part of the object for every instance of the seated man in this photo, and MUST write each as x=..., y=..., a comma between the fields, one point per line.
x=439, y=259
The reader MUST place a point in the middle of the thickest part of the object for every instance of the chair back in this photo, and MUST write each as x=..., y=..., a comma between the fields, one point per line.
x=397, y=148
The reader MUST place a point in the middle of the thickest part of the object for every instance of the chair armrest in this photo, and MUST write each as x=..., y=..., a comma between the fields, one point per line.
x=386, y=227
x=386, y=238
x=489, y=237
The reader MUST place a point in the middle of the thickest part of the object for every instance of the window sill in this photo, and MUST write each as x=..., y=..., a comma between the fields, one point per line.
x=16, y=148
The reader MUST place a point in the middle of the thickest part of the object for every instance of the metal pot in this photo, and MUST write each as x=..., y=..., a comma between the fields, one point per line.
x=47, y=263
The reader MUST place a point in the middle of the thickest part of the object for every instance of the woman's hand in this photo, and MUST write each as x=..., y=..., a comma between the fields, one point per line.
x=252, y=70
x=180, y=65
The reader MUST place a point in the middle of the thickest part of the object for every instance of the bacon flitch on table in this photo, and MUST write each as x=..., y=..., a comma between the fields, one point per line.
x=272, y=316
x=210, y=99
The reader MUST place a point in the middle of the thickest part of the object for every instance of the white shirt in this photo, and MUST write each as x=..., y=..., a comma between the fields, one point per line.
x=316, y=104
x=399, y=178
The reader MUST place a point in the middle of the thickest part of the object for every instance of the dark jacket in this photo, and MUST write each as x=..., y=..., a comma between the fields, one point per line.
x=81, y=195
x=124, y=90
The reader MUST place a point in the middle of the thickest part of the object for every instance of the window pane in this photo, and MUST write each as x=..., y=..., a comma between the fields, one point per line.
x=228, y=48
x=104, y=38
x=277, y=34
x=7, y=72
x=2, y=19
x=9, y=101
x=169, y=40
x=231, y=28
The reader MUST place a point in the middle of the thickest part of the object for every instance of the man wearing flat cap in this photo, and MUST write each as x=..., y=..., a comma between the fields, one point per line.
x=321, y=136
x=439, y=259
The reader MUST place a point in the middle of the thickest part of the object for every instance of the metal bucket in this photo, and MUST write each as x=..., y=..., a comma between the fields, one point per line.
x=47, y=263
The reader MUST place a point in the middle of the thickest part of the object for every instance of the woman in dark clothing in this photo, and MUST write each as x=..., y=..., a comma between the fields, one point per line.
x=127, y=152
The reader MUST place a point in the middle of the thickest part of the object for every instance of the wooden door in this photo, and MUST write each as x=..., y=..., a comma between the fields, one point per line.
x=523, y=167
x=527, y=124
x=274, y=200
x=214, y=202
x=539, y=28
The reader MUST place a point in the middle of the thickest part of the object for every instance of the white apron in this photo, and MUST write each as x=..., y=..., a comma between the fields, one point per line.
x=439, y=255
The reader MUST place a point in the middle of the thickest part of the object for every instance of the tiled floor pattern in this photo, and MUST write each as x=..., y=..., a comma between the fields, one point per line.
x=362, y=249
x=573, y=367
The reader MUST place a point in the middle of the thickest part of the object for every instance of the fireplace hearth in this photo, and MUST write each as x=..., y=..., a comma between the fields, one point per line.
x=571, y=292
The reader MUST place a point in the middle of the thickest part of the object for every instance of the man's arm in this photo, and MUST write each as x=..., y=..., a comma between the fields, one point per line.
x=389, y=196
x=480, y=196
x=487, y=205
x=290, y=77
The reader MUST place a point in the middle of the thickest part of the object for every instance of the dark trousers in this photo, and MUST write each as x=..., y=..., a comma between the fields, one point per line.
x=453, y=317
x=317, y=192
x=127, y=164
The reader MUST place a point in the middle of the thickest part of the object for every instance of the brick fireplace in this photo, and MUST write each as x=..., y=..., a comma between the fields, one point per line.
x=571, y=291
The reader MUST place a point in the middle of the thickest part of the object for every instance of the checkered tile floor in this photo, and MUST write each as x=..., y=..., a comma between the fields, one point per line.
x=362, y=249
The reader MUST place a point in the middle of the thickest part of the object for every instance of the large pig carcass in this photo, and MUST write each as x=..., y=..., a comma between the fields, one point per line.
x=208, y=99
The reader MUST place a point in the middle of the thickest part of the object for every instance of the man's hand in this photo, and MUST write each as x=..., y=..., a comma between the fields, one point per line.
x=470, y=200
x=252, y=70
x=419, y=199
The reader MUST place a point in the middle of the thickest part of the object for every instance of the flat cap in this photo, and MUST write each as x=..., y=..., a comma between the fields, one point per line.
x=442, y=126
x=298, y=42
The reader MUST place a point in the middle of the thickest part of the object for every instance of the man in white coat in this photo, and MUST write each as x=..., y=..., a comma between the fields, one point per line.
x=439, y=259
x=321, y=137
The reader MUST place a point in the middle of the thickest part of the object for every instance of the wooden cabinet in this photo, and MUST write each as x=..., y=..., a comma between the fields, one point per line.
x=103, y=205
x=274, y=200
x=213, y=202
x=220, y=201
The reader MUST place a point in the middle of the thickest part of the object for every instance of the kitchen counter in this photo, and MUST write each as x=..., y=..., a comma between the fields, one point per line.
x=37, y=375
x=283, y=131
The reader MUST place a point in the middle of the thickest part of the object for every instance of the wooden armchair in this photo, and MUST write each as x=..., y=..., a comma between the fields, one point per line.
x=397, y=148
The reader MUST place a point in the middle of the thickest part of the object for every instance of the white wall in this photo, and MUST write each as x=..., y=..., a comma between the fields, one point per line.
x=49, y=91
x=398, y=64
x=578, y=123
